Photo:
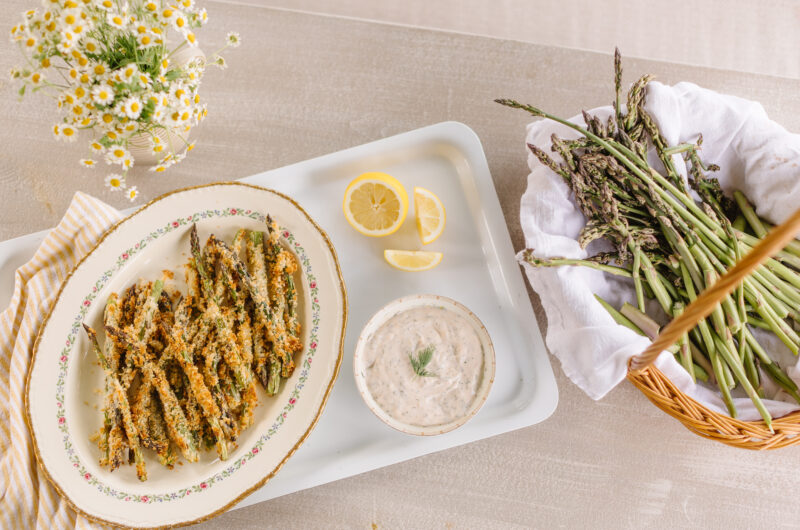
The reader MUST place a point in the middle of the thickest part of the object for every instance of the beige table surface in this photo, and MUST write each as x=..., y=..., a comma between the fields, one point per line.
x=305, y=85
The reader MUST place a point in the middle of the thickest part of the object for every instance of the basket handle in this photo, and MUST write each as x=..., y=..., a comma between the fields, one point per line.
x=704, y=304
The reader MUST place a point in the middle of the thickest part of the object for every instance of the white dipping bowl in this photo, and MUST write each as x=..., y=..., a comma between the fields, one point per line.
x=404, y=304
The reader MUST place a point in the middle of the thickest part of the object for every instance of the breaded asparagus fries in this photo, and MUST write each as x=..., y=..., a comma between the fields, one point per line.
x=181, y=369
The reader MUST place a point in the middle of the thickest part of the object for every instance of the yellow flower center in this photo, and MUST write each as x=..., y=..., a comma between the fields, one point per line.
x=180, y=22
x=70, y=19
x=117, y=20
x=80, y=92
x=36, y=77
x=31, y=42
x=159, y=169
x=151, y=6
x=84, y=78
x=78, y=110
x=99, y=69
x=190, y=37
x=45, y=63
x=112, y=135
x=108, y=4
x=83, y=61
x=114, y=182
x=108, y=118
x=68, y=131
x=167, y=13
x=119, y=153
x=73, y=73
x=134, y=106
x=91, y=47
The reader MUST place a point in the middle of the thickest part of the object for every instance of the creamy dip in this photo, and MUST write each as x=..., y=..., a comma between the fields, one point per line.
x=455, y=368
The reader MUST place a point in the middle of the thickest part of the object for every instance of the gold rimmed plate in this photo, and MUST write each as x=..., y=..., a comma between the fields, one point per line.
x=63, y=391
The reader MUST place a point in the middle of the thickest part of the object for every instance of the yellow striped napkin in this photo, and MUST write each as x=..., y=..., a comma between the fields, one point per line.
x=26, y=498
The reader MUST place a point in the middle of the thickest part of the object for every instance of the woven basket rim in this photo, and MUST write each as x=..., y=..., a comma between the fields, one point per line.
x=701, y=420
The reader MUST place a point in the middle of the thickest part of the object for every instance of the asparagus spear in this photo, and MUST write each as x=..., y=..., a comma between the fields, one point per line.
x=177, y=426
x=120, y=398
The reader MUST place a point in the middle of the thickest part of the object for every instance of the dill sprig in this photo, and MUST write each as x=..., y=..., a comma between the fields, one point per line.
x=422, y=360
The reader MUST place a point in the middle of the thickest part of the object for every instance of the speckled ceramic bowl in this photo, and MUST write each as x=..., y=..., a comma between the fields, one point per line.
x=403, y=304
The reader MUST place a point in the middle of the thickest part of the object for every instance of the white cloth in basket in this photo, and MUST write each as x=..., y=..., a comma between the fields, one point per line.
x=756, y=156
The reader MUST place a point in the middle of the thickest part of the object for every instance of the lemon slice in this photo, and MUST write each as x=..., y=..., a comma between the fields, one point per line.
x=412, y=260
x=375, y=204
x=430, y=215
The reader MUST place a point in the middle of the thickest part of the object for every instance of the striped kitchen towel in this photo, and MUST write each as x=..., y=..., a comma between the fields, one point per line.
x=27, y=500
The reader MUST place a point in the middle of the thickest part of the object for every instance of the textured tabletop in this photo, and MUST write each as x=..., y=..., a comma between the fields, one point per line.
x=304, y=85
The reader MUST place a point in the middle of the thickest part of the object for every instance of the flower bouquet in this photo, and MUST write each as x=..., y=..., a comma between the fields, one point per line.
x=112, y=71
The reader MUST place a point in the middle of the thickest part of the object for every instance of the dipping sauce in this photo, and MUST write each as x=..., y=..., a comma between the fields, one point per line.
x=450, y=379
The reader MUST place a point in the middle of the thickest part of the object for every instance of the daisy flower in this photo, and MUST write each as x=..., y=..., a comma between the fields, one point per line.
x=179, y=22
x=57, y=131
x=167, y=15
x=151, y=6
x=234, y=40
x=103, y=94
x=190, y=38
x=131, y=107
x=37, y=78
x=128, y=72
x=116, y=154
x=115, y=182
x=88, y=162
x=30, y=41
x=219, y=61
x=117, y=20
x=96, y=147
x=146, y=40
x=90, y=45
x=132, y=193
x=68, y=133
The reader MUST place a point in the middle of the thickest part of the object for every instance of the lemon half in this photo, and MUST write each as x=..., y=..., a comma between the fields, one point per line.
x=375, y=204
x=430, y=215
x=412, y=260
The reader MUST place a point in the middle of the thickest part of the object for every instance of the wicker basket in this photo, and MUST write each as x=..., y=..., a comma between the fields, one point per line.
x=695, y=416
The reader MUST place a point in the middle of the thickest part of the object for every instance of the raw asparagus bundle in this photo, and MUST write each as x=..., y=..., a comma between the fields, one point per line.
x=672, y=246
x=180, y=377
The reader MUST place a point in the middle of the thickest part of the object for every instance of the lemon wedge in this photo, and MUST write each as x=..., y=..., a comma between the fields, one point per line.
x=412, y=260
x=430, y=215
x=375, y=204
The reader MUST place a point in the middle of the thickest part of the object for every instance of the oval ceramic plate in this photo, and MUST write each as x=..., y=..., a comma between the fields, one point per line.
x=404, y=304
x=63, y=399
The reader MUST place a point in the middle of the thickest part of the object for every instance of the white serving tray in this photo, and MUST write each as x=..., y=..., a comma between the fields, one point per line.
x=478, y=270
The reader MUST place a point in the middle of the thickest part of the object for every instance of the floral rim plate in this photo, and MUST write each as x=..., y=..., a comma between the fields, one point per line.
x=63, y=391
